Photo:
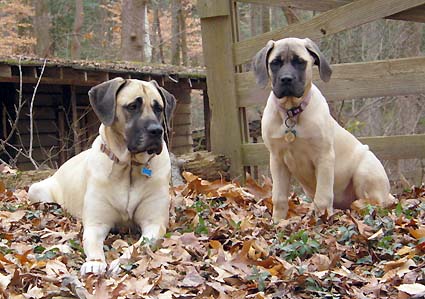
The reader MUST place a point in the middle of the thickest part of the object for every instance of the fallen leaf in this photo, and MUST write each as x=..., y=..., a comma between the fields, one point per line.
x=412, y=289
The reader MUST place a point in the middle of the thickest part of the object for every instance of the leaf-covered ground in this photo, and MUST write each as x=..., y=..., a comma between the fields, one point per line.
x=222, y=244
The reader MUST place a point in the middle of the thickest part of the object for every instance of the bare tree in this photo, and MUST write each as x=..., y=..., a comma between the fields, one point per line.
x=183, y=36
x=265, y=19
x=78, y=25
x=42, y=26
x=134, y=34
x=175, y=38
x=157, y=40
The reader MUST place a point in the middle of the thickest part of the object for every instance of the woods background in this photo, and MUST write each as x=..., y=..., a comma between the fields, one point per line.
x=168, y=31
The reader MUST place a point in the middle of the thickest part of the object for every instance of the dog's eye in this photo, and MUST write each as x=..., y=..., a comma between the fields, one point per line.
x=132, y=107
x=275, y=62
x=157, y=108
x=299, y=61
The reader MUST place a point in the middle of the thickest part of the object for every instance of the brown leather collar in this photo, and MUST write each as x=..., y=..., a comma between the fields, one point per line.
x=107, y=151
x=294, y=111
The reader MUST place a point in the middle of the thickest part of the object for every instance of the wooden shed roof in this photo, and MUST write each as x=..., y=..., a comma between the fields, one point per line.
x=84, y=72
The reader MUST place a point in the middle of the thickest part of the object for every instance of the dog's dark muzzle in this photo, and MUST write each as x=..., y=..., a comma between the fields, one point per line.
x=288, y=90
x=148, y=139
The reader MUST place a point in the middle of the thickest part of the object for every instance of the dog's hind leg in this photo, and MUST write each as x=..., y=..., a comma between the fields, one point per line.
x=371, y=182
x=42, y=191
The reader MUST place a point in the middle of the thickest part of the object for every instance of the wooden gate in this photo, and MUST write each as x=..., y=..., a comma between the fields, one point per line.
x=231, y=90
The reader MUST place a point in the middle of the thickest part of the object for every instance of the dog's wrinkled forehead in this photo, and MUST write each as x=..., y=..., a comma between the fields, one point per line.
x=287, y=48
x=135, y=89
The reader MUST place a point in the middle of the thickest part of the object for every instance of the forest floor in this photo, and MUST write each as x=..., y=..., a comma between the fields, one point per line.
x=222, y=244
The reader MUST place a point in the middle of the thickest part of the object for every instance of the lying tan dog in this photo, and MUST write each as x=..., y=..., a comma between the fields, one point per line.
x=304, y=141
x=124, y=177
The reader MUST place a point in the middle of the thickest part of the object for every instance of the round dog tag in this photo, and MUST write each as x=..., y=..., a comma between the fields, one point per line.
x=290, y=136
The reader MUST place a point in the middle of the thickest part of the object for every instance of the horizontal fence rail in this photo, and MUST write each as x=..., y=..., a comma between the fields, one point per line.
x=339, y=19
x=393, y=77
x=416, y=14
x=385, y=147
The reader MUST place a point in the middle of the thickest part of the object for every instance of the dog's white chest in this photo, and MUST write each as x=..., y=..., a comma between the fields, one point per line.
x=127, y=195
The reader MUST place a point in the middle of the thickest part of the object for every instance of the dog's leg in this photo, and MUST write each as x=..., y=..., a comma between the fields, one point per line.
x=153, y=213
x=371, y=182
x=93, y=238
x=98, y=219
x=325, y=172
x=40, y=192
x=280, y=190
x=152, y=216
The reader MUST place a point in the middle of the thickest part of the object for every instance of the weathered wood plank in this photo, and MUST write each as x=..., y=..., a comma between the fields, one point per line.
x=183, y=108
x=351, y=80
x=182, y=130
x=182, y=140
x=225, y=125
x=336, y=20
x=182, y=119
x=5, y=70
x=41, y=126
x=416, y=14
x=216, y=8
x=317, y=5
x=385, y=147
x=40, y=140
x=53, y=81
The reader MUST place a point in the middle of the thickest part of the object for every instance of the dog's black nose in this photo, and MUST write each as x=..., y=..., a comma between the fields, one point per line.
x=154, y=130
x=287, y=79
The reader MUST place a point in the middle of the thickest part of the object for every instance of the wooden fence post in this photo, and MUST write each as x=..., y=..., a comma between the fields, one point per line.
x=217, y=42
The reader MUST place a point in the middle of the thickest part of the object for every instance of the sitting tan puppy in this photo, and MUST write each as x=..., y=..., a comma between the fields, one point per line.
x=124, y=177
x=304, y=141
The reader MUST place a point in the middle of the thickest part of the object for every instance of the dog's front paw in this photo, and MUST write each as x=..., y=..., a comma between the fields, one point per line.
x=323, y=210
x=279, y=214
x=96, y=267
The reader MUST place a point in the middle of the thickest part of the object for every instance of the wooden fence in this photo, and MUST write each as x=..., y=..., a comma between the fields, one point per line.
x=231, y=90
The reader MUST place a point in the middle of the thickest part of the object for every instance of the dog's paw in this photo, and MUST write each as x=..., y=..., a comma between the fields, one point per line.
x=279, y=214
x=323, y=213
x=95, y=267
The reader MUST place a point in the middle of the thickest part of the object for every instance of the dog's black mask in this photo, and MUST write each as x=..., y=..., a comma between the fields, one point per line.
x=288, y=76
x=144, y=133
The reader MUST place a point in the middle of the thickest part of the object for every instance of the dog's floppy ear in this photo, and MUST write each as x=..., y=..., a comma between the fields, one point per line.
x=325, y=70
x=169, y=106
x=260, y=64
x=103, y=99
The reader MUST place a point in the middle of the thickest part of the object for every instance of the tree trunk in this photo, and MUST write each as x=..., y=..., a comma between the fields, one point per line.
x=43, y=47
x=102, y=34
x=265, y=19
x=154, y=30
x=175, y=38
x=133, y=33
x=183, y=36
x=254, y=19
x=157, y=40
x=146, y=36
x=78, y=24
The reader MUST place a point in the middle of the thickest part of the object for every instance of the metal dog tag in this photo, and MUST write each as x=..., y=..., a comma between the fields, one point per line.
x=146, y=172
x=290, y=136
